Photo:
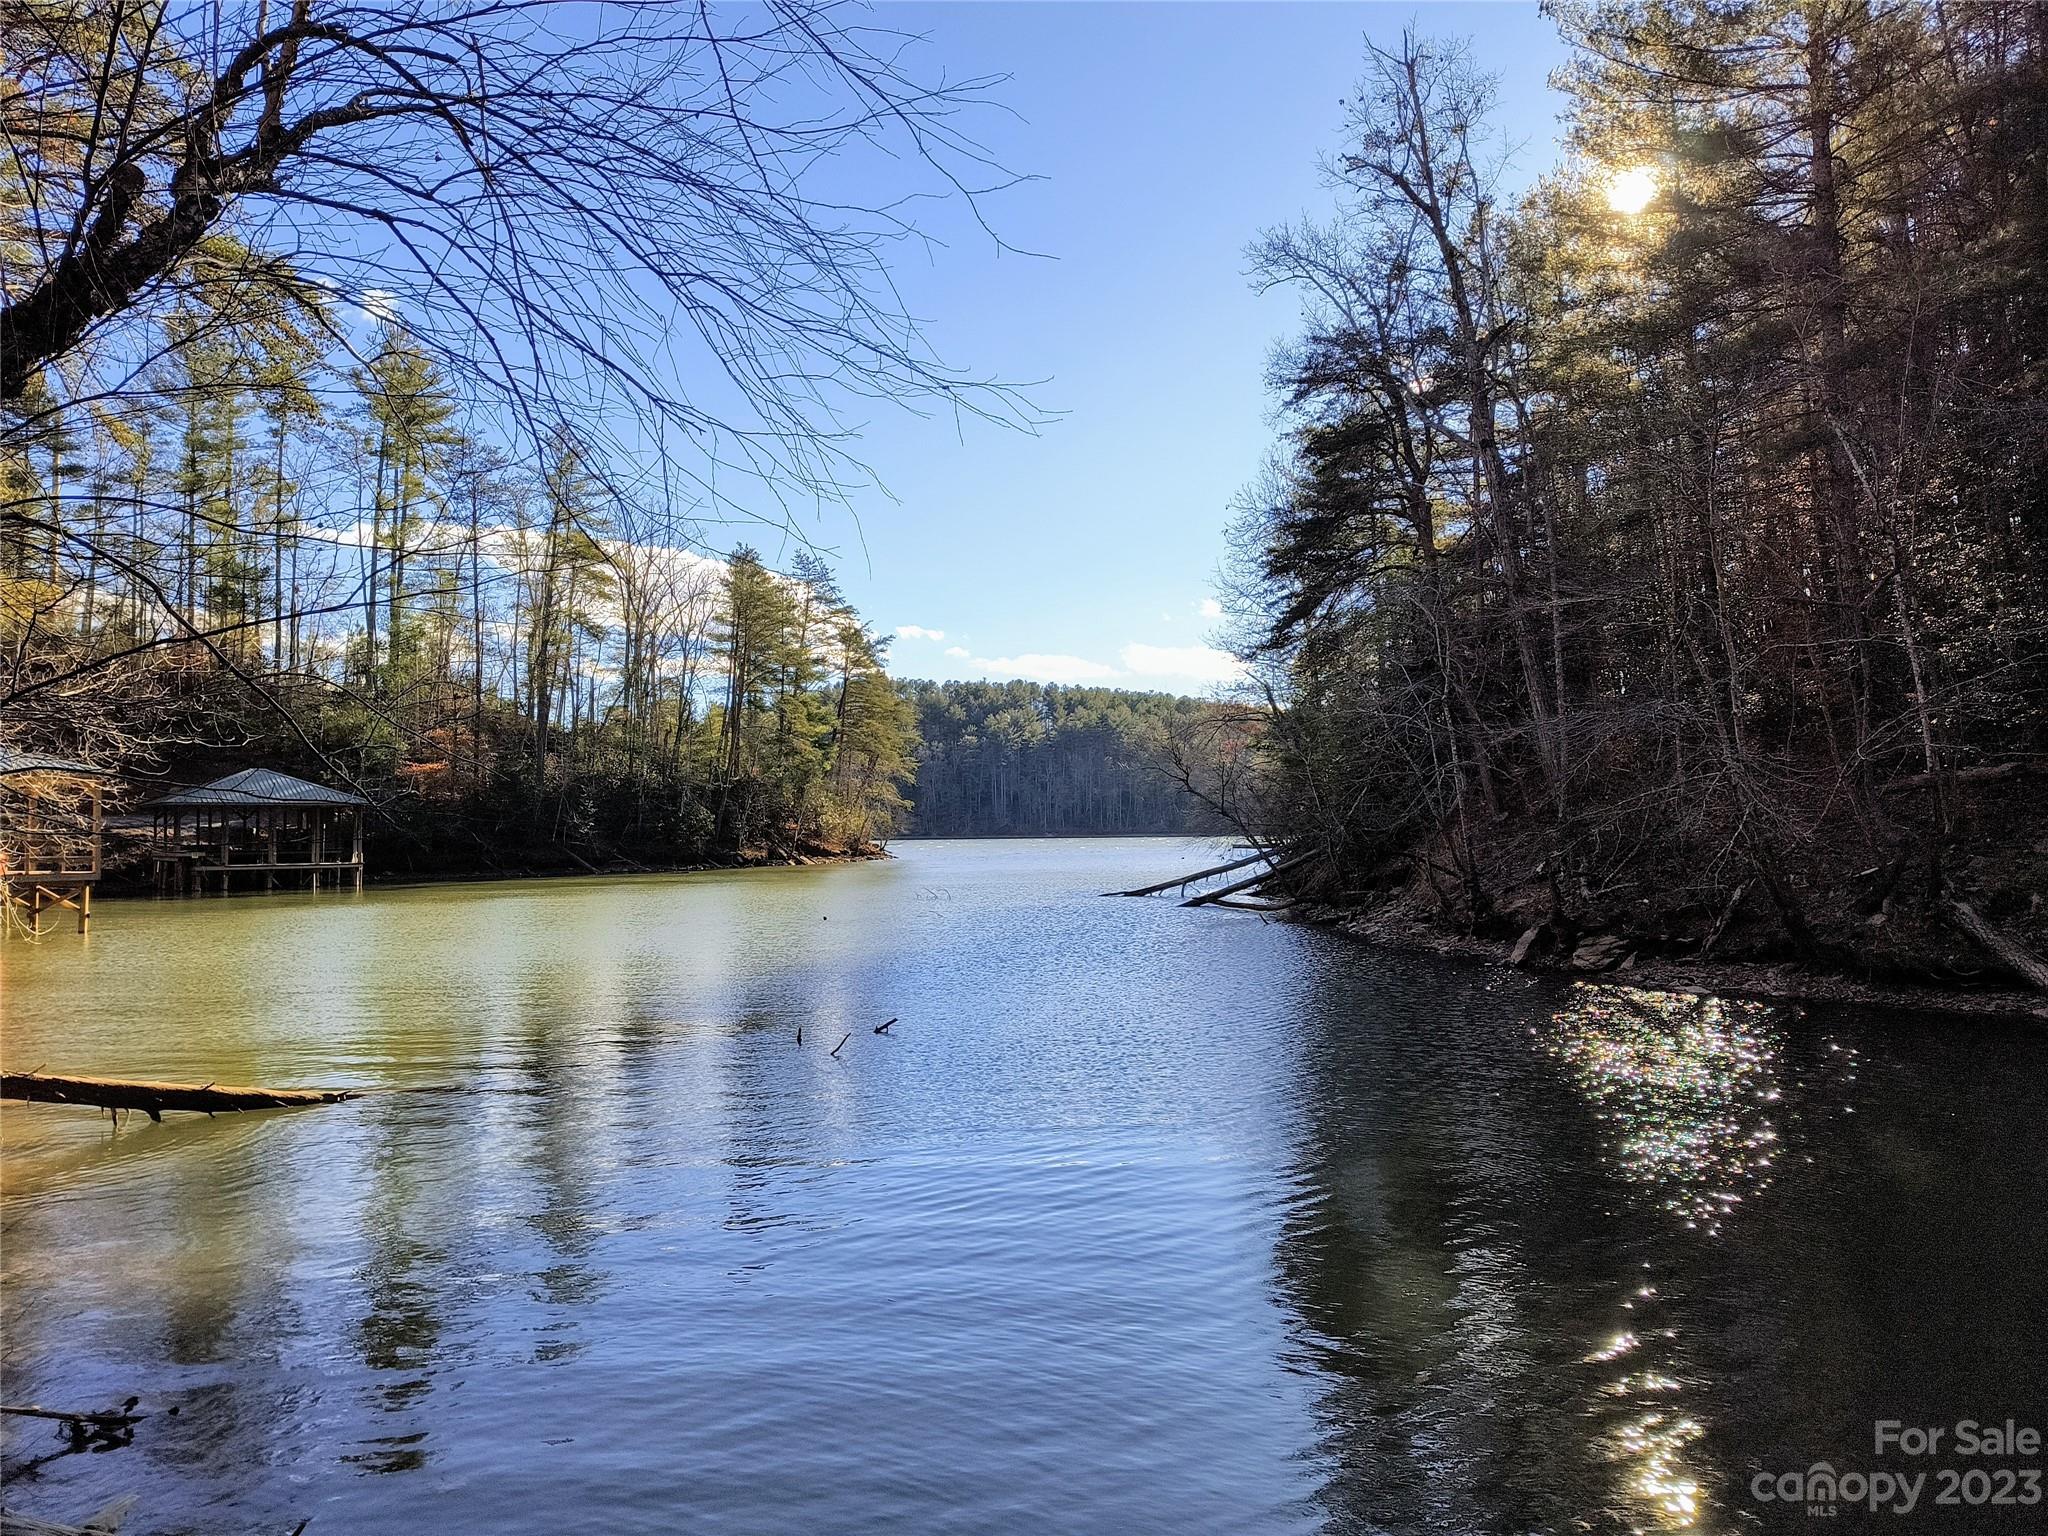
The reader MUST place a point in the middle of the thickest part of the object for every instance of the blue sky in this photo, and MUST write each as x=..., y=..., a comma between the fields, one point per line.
x=1166, y=136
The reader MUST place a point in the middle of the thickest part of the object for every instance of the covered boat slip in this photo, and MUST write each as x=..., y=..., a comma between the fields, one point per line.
x=49, y=837
x=256, y=825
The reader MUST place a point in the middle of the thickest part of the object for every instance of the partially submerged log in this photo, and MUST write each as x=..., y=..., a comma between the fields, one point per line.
x=1250, y=882
x=154, y=1098
x=1200, y=874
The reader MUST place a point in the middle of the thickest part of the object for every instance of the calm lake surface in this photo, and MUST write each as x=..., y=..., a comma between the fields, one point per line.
x=1141, y=1219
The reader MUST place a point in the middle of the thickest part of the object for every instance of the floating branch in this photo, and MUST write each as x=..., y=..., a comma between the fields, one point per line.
x=115, y=1418
x=106, y=1429
x=883, y=1029
x=1186, y=880
x=154, y=1098
x=842, y=1042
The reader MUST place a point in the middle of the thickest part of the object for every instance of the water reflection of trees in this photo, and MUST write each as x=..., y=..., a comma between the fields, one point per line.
x=414, y=1171
x=200, y=1236
x=574, y=1071
x=1430, y=1254
x=401, y=1331
x=1470, y=1283
x=775, y=1133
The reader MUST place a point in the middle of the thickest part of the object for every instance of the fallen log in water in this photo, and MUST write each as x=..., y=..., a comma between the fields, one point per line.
x=1200, y=874
x=1249, y=882
x=154, y=1098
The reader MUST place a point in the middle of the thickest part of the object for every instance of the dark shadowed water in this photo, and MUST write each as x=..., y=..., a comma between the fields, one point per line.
x=1141, y=1219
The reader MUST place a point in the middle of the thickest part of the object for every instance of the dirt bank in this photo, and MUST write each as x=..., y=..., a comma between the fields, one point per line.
x=1623, y=961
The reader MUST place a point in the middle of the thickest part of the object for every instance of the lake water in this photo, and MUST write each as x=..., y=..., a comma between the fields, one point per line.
x=1140, y=1219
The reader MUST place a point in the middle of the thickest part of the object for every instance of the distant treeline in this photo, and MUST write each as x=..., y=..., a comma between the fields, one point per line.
x=1006, y=759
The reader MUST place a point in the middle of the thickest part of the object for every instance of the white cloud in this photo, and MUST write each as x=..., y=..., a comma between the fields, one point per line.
x=1211, y=609
x=1045, y=669
x=918, y=632
x=1193, y=663
x=1182, y=668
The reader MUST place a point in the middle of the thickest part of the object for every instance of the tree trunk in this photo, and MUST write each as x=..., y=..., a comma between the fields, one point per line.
x=1246, y=884
x=2000, y=945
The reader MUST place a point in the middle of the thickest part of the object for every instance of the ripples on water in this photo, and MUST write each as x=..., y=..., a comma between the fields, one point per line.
x=1142, y=1219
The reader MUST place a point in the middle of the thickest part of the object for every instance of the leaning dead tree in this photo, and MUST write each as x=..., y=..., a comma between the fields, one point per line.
x=2009, y=952
x=1256, y=882
x=1183, y=881
x=1277, y=867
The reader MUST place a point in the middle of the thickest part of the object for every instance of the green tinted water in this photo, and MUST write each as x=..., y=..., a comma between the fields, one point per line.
x=1141, y=1219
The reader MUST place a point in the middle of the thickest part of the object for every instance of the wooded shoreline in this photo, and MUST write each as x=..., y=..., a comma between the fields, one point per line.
x=1617, y=954
x=1732, y=977
x=1655, y=567
x=1711, y=976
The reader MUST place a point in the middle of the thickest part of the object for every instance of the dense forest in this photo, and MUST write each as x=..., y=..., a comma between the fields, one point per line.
x=1664, y=552
x=355, y=585
x=379, y=389
x=1017, y=759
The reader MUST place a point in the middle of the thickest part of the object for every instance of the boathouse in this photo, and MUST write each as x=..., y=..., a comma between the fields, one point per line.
x=256, y=826
x=50, y=831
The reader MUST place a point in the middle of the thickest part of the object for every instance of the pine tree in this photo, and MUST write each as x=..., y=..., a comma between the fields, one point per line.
x=410, y=411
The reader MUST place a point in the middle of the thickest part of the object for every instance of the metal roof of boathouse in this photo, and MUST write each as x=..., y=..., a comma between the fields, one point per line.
x=13, y=761
x=254, y=789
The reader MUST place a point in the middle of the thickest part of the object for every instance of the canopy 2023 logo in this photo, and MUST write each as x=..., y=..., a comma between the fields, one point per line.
x=1822, y=1490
